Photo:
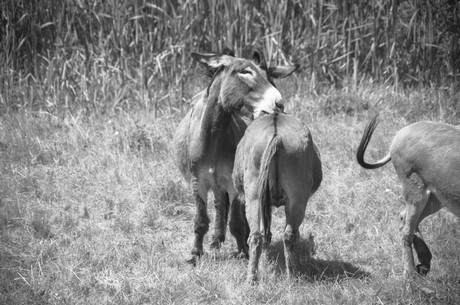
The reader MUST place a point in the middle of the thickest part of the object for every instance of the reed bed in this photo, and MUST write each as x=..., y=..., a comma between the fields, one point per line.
x=110, y=55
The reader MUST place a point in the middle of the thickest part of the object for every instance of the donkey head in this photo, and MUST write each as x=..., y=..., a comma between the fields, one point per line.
x=243, y=86
x=239, y=88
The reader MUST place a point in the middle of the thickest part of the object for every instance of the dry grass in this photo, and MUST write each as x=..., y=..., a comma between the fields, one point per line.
x=93, y=211
x=92, y=208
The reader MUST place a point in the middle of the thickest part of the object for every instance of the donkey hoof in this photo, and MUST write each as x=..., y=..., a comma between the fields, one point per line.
x=191, y=261
x=422, y=269
x=252, y=280
x=240, y=255
x=215, y=245
x=195, y=256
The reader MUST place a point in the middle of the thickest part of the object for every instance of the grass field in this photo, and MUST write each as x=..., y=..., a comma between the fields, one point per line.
x=94, y=211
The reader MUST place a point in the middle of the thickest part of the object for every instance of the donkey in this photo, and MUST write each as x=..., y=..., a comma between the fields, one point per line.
x=205, y=142
x=276, y=164
x=426, y=157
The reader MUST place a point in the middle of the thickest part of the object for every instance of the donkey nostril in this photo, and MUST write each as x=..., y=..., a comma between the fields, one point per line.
x=279, y=105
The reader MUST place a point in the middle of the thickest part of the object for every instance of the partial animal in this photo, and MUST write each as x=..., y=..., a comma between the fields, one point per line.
x=426, y=157
x=205, y=142
x=276, y=164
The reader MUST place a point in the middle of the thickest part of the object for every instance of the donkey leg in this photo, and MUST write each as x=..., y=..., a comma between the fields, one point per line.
x=201, y=223
x=423, y=252
x=239, y=227
x=416, y=198
x=295, y=213
x=221, y=204
x=255, y=237
x=255, y=250
x=291, y=240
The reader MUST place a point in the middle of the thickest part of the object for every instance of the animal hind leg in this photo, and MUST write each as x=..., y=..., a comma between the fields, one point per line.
x=295, y=212
x=221, y=204
x=255, y=236
x=423, y=252
x=416, y=196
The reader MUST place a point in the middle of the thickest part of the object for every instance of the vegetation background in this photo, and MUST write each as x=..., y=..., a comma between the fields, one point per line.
x=92, y=208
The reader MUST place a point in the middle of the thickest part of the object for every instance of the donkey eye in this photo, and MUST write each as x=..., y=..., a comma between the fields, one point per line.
x=246, y=71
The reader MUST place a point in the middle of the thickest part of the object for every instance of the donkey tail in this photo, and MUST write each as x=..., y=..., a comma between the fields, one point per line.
x=264, y=187
x=370, y=128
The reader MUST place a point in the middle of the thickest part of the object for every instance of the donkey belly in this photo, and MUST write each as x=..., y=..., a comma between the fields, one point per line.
x=217, y=176
x=182, y=147
x=449, y=200
x=441, y=176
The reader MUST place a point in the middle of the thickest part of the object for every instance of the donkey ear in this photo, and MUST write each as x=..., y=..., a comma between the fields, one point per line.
x=212, y=60
x=282, y=71
x=256, y=57
x=228, y=51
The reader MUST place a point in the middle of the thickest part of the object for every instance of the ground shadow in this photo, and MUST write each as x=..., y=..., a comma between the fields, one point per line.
x=312, y=269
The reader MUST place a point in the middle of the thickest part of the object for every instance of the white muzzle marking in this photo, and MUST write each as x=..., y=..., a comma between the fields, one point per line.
x=268, y=102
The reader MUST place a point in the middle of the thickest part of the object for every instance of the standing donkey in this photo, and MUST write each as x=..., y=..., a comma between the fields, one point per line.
x=205, y=142
x=426, y=157
x=276, y=164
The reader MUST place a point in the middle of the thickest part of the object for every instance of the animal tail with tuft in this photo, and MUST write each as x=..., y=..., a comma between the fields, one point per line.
x=370, y=128
x=264, y=186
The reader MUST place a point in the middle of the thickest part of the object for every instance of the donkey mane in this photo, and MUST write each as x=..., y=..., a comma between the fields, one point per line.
x=211, y=72
x=216, y=72
x=215, y=121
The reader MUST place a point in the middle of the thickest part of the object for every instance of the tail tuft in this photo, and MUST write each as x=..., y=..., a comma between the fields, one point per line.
x=368, y=131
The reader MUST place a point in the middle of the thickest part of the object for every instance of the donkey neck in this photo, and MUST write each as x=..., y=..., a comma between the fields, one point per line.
x=236, y=128
x=221, y=131
x=223, y=125
x=214, y=123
